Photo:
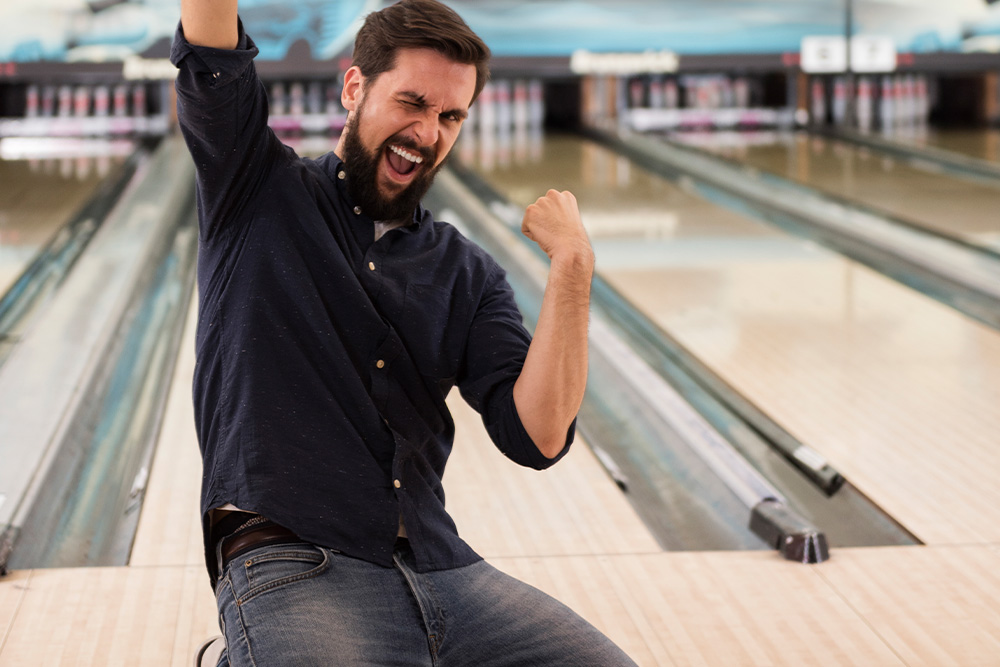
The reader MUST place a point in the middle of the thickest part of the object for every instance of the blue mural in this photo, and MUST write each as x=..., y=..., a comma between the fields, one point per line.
x=327, y=27
x=76, y=30
x=103, y=30
x=110, y=30
x=553, y=27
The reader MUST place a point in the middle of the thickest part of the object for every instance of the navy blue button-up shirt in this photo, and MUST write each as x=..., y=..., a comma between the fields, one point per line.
x=323, y=356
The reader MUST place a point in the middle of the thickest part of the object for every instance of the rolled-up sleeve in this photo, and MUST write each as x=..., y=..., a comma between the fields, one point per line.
x=497, y=347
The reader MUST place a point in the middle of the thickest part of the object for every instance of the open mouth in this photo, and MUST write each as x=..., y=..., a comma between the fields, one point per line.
x=402, y=162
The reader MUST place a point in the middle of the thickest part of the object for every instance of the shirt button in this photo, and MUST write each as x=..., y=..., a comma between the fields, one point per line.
x=396, y=483
x=380, y=364
x=357, y=210
x=371, y=265
x=341, y=174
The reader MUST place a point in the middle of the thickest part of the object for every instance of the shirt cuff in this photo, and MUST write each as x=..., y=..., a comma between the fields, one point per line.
x=224, y=65
x=522, y=449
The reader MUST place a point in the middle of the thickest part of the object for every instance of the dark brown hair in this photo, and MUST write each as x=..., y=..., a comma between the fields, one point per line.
x=418, y=24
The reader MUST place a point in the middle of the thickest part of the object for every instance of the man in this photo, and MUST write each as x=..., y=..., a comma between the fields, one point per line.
x=335, y=316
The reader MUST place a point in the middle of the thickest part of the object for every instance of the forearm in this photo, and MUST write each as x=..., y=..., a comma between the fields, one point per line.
x=550, y=388
x=210, y=23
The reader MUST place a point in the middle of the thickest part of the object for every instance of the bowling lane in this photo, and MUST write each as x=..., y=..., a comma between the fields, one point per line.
x=958, y=207
x=900, y=393
x=43, y=186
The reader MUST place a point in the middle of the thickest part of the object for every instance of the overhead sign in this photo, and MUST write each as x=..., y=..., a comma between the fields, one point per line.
x=828, y=54
x=823, y=55
x=647, y=62
x=871, y=53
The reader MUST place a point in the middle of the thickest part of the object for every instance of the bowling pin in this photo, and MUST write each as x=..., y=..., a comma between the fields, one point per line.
x=887, y=105
x=905, y=101
x=636, y=93
x=727, y=96
x=65, y=101
x=81, y=101
x=296, y=100
x=741, y=93
x=31, y=102
x=864, y=105
x=536, y=104
x=505, y=121
x=521, y=109
x=120, y=101
x=839, y=100
x=504, y=107
x=102, y=101
x=487, y=112
x=278, y=102
x=670, y=95
x=314, y=98
x=817, y=102
x=333, y=107
x=140, y=122
x=139, y=101
x=657, y=99
x=899, y=105
x=48, y=101
x=923, y=104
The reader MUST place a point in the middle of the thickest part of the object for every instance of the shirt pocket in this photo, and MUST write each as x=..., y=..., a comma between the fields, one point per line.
x=432, y=330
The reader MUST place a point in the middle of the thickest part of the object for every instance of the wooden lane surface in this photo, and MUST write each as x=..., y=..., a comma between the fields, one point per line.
x=926, y=606
x=108, y=616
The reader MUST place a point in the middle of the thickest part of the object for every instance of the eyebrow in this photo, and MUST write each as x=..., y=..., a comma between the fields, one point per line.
x=419, y=99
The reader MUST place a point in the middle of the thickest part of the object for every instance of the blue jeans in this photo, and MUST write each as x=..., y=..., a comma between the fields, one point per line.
x=299, y=604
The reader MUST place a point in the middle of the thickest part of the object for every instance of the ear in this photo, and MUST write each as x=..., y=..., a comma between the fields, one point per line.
x=350, y=96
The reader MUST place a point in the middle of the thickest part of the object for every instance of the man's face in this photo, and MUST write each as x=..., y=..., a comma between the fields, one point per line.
x=401, y=128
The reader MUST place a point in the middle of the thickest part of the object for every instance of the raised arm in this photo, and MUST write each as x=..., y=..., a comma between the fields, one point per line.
x=210, y=22
x=550, y=388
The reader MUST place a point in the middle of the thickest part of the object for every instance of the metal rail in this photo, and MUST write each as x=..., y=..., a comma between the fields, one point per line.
x=963, y=277
x=77, y=405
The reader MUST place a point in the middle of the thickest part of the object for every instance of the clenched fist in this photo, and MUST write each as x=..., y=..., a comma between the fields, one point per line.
x=553, y=222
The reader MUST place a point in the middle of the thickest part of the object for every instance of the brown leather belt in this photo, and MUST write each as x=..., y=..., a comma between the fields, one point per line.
x=269, y=533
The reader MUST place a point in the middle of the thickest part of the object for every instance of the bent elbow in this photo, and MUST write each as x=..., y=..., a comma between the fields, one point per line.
x=552, y=445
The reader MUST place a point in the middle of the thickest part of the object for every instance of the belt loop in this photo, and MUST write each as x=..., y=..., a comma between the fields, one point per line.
x=218, y=558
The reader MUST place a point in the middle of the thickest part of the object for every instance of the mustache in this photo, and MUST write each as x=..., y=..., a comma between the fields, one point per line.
x=426, y=152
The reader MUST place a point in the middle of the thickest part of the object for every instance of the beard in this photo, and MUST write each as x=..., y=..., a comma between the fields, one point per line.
x=362, y=185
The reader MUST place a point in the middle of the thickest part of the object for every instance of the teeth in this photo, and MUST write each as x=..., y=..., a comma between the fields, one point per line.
x=404, y=154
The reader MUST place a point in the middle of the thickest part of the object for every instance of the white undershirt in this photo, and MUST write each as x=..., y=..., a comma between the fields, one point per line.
x=382, y=226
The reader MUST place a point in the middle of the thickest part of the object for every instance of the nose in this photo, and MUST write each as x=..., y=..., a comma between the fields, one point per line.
x=427, y=129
